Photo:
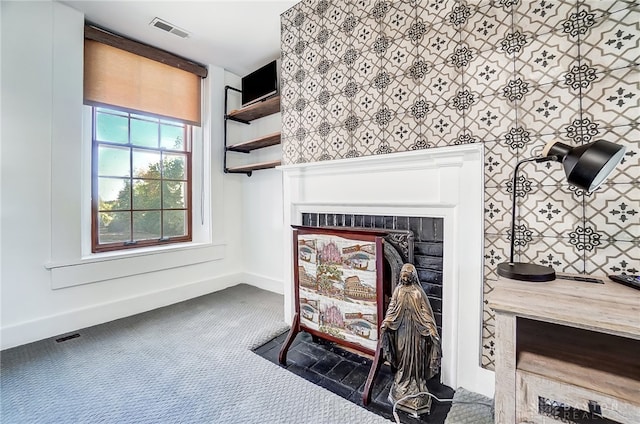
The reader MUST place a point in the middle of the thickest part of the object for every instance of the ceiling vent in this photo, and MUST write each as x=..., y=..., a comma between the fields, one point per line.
x=166, y=26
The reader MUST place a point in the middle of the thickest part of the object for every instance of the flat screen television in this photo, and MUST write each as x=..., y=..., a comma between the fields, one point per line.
x=260, y=84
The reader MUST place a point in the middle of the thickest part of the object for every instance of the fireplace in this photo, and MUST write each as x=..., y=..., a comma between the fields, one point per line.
x=444, y=183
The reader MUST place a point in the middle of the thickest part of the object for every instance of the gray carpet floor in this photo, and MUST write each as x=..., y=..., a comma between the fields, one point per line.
x=469, y=407
x=186, y=363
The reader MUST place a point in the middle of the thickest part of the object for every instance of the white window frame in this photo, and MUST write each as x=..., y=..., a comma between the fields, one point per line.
x=72, y=263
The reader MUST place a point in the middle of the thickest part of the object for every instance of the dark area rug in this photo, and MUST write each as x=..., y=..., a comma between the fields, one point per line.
x=344, y=373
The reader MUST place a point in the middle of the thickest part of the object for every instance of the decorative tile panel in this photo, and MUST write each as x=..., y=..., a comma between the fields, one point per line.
x=551, y=209
x=605, y=7
x=614, y=211
x=579, y=21
x=440, y=41
x=289, y=153
x=543, y=16
x=366, y=66
x=440, y=83
x=615, y=257
x=488, y=339
x=312, y=115
x=614, y=98
x=435, y=10
x=339, y=143
x=366, y=139
x=365, y=33
x=402, y=131
x=335, y=13
x=442, y=123
x=397, y=55
x=547, y=109
x=395, y=20
x=367, y=77
x=499, y=161
x=497, y=211
x=496, y=250
x=486, y=74
x=614, y=41
x=366, y=103
x=547, y=58
x=489, y=117
x=403, y=91
x=558, y=253
x=487, y=27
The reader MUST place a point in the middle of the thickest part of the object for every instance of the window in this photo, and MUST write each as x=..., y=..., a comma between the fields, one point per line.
x=72, y=261
x=141, y=188
x=143, y=103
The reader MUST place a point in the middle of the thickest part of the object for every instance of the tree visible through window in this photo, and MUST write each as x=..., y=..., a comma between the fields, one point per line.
x=141, y=180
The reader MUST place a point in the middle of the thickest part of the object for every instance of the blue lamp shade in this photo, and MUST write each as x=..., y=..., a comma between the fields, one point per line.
x=586, y=167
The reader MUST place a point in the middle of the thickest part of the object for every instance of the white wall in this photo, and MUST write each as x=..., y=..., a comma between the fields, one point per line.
x=262, y=217
x=262, y=230
x=41, y=137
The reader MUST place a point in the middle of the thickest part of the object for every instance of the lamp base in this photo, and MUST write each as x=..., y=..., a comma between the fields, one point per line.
x=526, y=272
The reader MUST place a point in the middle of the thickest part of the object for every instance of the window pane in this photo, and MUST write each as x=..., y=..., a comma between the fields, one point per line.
x=144, y=133
x=174, y=167
x=112, y=128
x=114, y=227
x=113, y=161
x=141, y=179
x=114, y=194
x=146, y=225
x=173, y=195
x=146, y=194
x=146, y=164
x=172, y=137
x=174, y=224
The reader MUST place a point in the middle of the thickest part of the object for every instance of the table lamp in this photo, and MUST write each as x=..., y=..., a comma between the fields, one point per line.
x=587, y=167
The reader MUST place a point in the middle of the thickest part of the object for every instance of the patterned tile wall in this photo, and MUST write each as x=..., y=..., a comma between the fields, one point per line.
x=366, y=77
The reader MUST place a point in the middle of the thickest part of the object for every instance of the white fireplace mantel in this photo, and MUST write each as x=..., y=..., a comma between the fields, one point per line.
x=444, y=182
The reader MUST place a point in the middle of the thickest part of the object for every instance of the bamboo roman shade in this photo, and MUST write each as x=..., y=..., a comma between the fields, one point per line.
x=119, y=78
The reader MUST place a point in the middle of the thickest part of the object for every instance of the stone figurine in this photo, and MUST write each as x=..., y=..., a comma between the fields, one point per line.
x=410, y=342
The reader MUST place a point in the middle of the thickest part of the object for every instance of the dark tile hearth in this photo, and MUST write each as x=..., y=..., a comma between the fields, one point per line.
x=344, y=373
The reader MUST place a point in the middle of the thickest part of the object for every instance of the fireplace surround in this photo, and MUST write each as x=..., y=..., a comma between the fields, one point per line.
x=442, y=183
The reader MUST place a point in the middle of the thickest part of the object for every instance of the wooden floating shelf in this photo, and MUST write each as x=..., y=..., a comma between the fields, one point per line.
x=257, y=143
x=254, y=167
x=257, y=110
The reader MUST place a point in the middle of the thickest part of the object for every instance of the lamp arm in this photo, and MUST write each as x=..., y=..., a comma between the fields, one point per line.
x=538, y=159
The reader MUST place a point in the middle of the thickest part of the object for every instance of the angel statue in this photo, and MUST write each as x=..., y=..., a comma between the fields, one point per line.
x=411, y=344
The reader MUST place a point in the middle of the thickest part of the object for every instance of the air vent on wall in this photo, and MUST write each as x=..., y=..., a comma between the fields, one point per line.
x=168, y=27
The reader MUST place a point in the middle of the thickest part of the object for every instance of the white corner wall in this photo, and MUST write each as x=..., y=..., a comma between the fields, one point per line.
x=262, y=214
x=262, y=230
x=41, y=103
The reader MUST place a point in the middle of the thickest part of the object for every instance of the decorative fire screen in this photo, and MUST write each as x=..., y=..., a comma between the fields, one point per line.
x=338, y=277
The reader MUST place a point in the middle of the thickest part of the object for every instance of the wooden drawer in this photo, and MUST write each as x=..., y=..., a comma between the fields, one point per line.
x=530, y=387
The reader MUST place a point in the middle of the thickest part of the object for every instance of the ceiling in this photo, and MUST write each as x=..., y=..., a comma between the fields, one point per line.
x=239, y=35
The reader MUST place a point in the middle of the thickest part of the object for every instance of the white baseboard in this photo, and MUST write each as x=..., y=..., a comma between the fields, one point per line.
x=264, y=283
x=53, y=325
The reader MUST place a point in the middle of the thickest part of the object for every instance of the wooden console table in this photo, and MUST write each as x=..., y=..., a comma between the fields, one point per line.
x=566, y=348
